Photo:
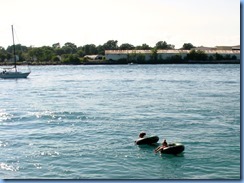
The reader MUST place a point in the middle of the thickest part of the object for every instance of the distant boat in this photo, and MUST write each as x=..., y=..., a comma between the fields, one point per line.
x=13, y=73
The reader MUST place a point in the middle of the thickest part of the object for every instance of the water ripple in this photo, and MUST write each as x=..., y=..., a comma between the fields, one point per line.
x=82, y=122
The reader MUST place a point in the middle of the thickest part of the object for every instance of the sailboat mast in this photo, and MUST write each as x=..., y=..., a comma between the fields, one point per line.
x=14, y=48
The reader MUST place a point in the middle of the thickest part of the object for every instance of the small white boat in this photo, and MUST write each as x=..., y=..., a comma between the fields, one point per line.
x=13, y=73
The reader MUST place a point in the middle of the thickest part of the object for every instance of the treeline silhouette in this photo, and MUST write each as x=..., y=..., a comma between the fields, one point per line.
x=70, y=53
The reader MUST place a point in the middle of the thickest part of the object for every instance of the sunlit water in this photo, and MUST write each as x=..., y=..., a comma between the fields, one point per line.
x=80, y=122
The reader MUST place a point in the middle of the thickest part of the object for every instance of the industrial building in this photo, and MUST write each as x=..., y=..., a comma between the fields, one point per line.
x=165, y=54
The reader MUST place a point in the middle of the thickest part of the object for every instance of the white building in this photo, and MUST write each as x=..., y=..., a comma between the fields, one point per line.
x=94, y=57
x=165, y=54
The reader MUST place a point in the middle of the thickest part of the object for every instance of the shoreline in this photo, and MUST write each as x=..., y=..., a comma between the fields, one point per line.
x=108, y=62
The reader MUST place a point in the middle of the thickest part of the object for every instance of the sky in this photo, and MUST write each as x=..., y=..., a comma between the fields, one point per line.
x=45, y=22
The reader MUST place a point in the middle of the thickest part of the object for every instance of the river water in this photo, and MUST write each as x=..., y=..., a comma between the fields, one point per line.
x=80, y=122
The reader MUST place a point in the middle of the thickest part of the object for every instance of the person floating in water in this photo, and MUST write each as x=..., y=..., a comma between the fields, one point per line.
x=164, y=144
x=142, y=134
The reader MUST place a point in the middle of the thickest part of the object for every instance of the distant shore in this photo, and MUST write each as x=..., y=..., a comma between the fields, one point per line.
x=109, y=62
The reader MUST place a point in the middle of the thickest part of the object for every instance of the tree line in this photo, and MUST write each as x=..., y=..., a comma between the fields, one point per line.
x=72, y=54
x=54, y=52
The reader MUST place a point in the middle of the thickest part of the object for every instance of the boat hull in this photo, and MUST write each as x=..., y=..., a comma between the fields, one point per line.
x=147, y=140
x=14, y=75
x=173, y=149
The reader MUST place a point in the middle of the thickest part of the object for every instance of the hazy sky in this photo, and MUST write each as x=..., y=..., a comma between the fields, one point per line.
x=44, y=22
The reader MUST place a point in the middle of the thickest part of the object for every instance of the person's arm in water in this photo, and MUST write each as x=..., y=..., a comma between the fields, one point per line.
x=158, y=149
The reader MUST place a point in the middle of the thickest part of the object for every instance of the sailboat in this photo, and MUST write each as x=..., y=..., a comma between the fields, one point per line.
x=13, y=73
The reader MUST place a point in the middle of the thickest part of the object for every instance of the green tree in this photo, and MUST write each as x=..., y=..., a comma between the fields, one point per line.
x=55, y=59
x=80, y=51
x=136, y=57
x=210, y=57
x=19, y=50
x=154, y=54
x=217, y=56
x=202, y=55
x=111, y=45
x=44, y=53
x=143, y=47
x=59, y=51
x=233, y=57
x=89, y=49
x=126, y=46
x=187, y=46
x=72, y=59
x=4, y=54
x=132, y=57
x=56, y=45
x=163, y=45
x=69, y=48
x=197, y=55
x=100, y=50
x=141, y=57
x=175, y=58
x=227, y=57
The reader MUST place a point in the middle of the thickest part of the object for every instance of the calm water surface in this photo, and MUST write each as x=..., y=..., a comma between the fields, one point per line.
x=80, y=122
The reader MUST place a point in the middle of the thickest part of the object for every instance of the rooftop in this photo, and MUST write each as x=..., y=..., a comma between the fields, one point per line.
x=209, y=51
